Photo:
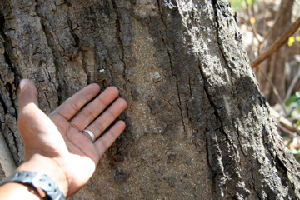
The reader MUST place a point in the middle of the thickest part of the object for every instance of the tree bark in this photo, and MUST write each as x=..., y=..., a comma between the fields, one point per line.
x=197, y=125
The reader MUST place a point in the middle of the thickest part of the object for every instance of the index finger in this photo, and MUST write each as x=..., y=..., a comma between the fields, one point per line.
x=73, y=104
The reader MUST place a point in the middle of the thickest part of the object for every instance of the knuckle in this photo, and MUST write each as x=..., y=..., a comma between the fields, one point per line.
x=87, y=98
x=110, y=114
x=73, y=124
x=104, y=144
x=73, y=106
x=88, y=113
x=100, y=103
x=99, y=127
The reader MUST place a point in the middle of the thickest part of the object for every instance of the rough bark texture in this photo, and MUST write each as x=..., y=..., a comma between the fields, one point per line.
x=198, y=127
x=275, y=66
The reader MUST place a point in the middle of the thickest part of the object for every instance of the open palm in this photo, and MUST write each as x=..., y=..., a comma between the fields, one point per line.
x=61, y=136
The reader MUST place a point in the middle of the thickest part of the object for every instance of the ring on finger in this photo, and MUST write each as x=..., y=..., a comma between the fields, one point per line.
x=90, y=134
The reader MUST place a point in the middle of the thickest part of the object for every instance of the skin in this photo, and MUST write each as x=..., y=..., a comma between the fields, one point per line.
x=56, y=144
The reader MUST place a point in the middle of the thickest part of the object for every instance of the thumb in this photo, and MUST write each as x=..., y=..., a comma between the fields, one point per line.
x=27, y=95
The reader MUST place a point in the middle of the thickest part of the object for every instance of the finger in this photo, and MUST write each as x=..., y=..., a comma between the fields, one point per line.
x=27, y=95
x=73, y=104
x=106, y=118
x=109, y=137
x=93, y=109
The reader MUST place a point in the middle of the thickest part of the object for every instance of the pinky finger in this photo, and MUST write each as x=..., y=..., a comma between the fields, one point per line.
x=104, y=142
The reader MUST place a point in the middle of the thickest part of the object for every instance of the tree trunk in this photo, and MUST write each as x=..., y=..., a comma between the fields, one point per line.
x=197, y=125
x=273, y=72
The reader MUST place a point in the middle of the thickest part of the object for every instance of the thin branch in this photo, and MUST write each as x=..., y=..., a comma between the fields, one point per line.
x=264, y=20
x=289, y=125
x=294, y=81
x=284, y=124
x=277, y=44
x=275, y=92
x=291, y=131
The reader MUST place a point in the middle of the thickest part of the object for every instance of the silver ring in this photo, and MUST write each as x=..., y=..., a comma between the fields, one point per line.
x=91, y=134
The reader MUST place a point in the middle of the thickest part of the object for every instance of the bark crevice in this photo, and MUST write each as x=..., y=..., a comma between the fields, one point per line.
x=178, y=92
x=169, y=41
x=57, y=58
x=8, y=98
x=214, y=152
x=119, y=34
x=8, y=55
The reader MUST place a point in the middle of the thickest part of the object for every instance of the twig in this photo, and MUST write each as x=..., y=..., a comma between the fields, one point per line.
x=289, y=125
x=294, y=81
x=264, y=21
x=287, y=130
x=277, y=44
x=284, y=124
x=275, y=92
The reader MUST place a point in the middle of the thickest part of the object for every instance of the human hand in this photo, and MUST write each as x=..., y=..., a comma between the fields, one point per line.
x=57, y=145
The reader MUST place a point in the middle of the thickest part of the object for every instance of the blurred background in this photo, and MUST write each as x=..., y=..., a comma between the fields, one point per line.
x=265, y=24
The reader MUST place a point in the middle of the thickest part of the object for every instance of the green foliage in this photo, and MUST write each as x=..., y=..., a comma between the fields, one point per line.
x=296, y=152
x=295, y=149
x=250, y=2
x=298, y=122
x=296, y=100
x=238, y=5
x=290, y=100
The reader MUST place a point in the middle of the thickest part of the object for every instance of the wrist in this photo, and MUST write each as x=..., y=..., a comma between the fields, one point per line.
x=13, y=190
x=46, y=165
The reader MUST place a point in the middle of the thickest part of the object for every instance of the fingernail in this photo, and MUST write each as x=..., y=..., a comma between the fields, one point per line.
x=22, y=84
